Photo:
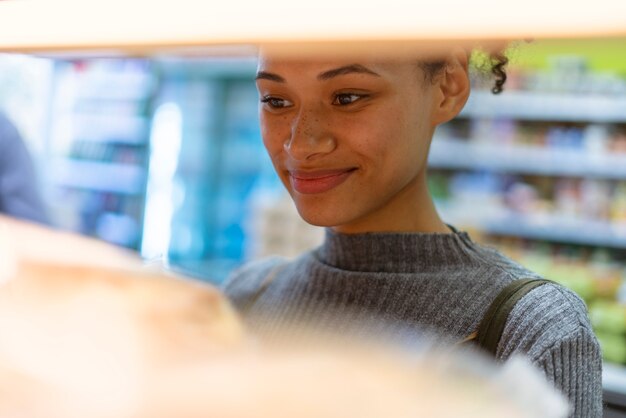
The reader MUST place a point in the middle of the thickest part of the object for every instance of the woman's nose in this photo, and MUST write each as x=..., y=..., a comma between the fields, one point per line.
x=310, y=136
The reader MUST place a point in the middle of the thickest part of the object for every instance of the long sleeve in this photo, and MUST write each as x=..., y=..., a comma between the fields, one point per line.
x=574, y=366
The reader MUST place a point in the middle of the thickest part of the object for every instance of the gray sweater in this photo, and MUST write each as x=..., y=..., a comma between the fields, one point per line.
x=437, y=282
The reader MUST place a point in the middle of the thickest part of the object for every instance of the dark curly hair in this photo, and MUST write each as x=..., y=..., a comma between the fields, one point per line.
x=498, y=62
x=496, y=65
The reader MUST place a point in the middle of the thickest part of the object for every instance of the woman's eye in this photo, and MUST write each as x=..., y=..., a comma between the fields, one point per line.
x=276, y=102
x=344, y=99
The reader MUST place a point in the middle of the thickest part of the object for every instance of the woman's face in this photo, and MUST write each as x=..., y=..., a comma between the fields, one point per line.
x=348, y=140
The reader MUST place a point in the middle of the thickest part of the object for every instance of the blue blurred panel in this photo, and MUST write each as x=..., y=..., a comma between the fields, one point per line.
x=221, y=163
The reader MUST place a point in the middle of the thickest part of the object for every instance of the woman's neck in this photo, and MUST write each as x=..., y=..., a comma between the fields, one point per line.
x=411, y=210
x=395, y=252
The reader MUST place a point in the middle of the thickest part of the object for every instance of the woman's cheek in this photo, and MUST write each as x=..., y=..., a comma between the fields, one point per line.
x=371, y=141
x=273, y=133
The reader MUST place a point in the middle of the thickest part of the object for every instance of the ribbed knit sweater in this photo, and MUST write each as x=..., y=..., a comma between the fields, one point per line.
x=429, y=281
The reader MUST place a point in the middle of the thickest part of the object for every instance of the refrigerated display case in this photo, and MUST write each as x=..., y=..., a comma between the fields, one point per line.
x=220, y=162
x=98, y=147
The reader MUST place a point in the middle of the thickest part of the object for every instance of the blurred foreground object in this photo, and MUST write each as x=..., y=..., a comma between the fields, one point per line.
x=83, y=324
x=400, y=25
x=86, y=330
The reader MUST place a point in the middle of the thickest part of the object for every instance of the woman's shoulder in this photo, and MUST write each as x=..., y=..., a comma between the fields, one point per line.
x=551, y=327
x=246, y=284
x=248, y=278
x=546, y=303
x=547, y=316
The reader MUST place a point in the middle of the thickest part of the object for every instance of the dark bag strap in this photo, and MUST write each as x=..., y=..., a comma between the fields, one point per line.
x=492, y=325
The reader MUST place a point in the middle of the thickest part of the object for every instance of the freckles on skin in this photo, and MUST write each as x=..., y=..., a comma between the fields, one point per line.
x=307, y=131
x=275, y=135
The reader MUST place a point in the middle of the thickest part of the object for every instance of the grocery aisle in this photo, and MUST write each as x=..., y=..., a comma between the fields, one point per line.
x=164, y=156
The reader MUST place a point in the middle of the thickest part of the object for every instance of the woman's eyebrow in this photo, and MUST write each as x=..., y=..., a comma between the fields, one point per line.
x=347, y=69
x=264, y=75
x=326, y=75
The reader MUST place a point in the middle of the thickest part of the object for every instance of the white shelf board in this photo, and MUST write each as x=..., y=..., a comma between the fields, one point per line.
x=553, y=228
x=464, y=155
x=614, y=377
x=106, y=177
x=599, y=234
x=105, y=127
x=526, y=105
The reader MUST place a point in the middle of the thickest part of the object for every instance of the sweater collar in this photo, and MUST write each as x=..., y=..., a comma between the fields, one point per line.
x=395, y=252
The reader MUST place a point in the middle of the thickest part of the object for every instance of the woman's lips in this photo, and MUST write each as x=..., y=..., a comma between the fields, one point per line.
x=312, y=182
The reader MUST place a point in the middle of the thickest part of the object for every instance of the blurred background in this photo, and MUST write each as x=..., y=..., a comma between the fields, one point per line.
x=164, y=156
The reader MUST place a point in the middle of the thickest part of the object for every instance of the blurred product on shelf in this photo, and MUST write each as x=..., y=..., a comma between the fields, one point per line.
x=277, y=229
x=554, y=202
x=19, y=188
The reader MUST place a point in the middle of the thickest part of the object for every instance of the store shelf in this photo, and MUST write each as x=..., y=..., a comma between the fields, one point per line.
x=552, y=228
x=107, y=177
x=456, y=154
x=107, y=128
x=614, y=377
x=614, y=385
x=523, y=105
x=599, y=234
x=128, y=86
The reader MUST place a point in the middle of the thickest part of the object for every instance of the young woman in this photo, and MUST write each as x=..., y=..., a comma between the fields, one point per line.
x=349, y=140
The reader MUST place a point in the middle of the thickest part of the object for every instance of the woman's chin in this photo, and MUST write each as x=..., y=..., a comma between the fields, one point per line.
x=319, y=221
x=328, y=210
x=322, y=218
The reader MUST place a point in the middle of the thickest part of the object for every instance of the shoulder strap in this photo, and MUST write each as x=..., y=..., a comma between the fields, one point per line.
x=492, y=325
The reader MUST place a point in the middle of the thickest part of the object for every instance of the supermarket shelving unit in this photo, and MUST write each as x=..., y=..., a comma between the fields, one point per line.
x=452, y=153
x=614, y=383
x=525, y=105
x=99, y=147
x=220, y=162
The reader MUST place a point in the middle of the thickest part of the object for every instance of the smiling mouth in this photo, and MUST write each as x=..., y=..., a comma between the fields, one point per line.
x=313, y=182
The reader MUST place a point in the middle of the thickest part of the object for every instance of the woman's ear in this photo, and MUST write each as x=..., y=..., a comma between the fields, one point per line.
x=452, y=87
